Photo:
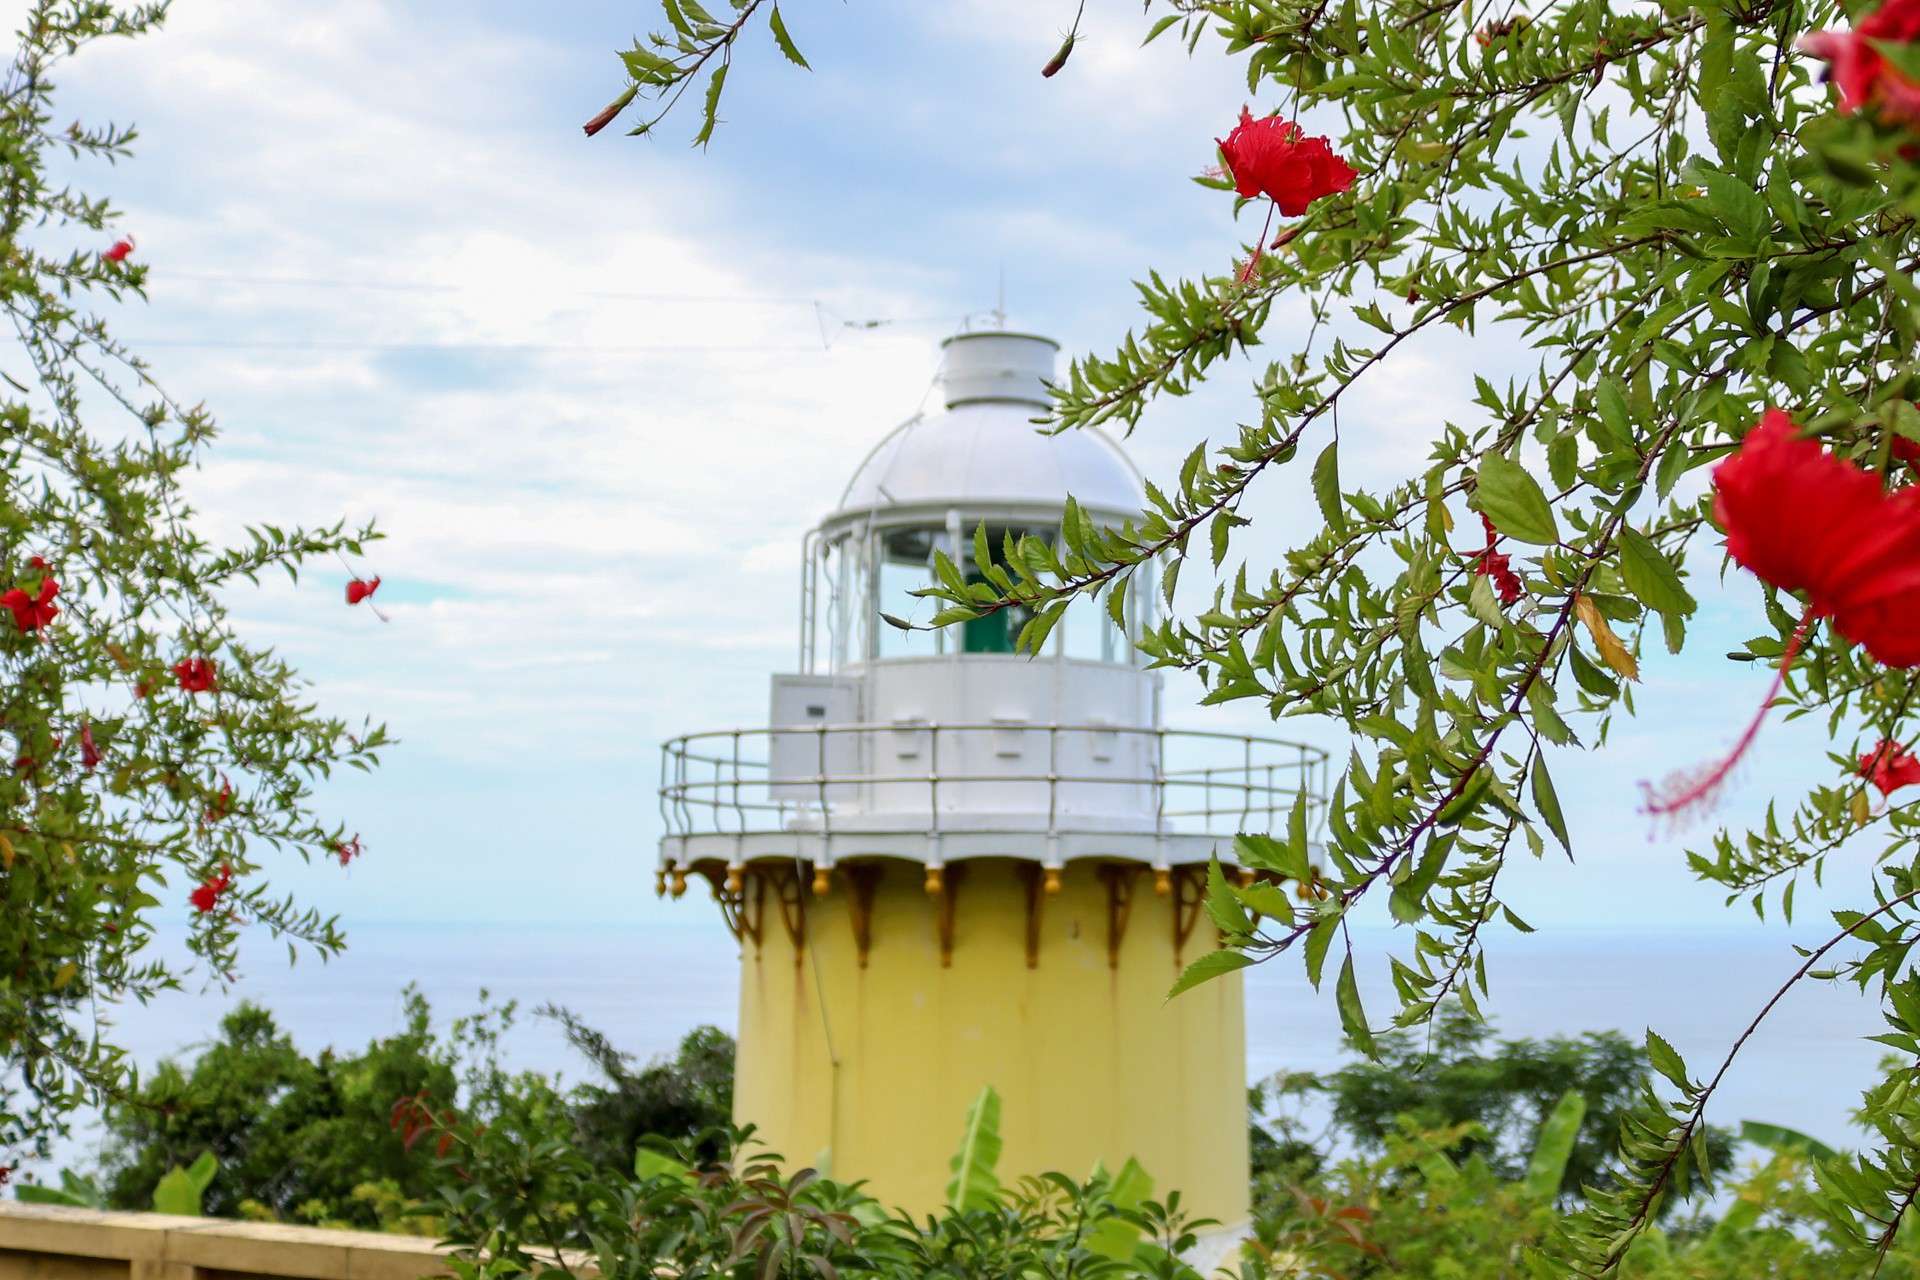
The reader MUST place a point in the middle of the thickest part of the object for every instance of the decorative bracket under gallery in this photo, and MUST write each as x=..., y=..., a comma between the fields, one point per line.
x=1121, y=879
x=1034, y=881
x=1189, y=890
x=742, y=899
x=943, y=886
x=790, y=892
x=863, y=881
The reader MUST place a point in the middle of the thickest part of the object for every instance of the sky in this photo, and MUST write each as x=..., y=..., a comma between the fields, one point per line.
x=596, y=391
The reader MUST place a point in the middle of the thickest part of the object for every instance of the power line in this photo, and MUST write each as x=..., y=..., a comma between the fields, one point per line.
x=305, y=344
x=425, y=286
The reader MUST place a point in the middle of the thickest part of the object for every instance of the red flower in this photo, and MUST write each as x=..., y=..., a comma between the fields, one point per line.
x=89, y=753
x=1494, y=564
x=121, y=248
x=359, y=590
x=1863, y=76
x=1890, y=766
x=347, y=850
x=194, y=674
x=207, y=896
x=222, y=804
x=1804, y=520
x=30, y=613
x=1272, y=157
x=38, y=562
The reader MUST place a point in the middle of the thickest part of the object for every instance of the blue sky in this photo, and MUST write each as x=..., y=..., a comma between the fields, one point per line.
x=583, y=386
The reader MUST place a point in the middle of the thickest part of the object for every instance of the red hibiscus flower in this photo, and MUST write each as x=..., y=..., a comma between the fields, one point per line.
x=1272, y=157
x=194, y=674
x=1890, y=766
x=347, y=850
x=361, y=589
x=1857, y=69
x=207, y=896
x=222, y=804
x=89, y=753
x=1803, y=520
x=30, y=613
x=121, y=248
x=1495, y=564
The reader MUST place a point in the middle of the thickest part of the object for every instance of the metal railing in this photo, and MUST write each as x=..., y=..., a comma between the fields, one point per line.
x=1176, y=781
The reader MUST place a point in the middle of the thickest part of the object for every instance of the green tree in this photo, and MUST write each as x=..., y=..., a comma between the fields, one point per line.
x=685, y=1098
x=340, y=1138
x=1452, y=1076
x=1659, y=211
x=294, y=1136
x=152, y=749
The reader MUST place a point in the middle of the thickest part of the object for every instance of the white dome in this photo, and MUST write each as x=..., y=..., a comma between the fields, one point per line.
x=985, y=451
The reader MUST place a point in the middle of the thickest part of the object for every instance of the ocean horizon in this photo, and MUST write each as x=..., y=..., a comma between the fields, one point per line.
x=646, y=987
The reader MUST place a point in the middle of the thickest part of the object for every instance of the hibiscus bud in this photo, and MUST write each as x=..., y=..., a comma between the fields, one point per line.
x=1059, y=59
x=611, y=110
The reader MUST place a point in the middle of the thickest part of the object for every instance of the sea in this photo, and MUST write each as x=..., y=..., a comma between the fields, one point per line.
x=647, y=987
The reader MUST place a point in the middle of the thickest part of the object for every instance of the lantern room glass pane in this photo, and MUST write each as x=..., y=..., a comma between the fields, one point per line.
x=997, y=632
x=905, y=565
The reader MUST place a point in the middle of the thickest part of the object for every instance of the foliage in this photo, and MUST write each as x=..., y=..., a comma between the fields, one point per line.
x=294, y=1135
x=678, y=1098
x=1449, y=1077
x=125, y=789
x=1659, y=225
x=334, y=1139
x=515, y=1204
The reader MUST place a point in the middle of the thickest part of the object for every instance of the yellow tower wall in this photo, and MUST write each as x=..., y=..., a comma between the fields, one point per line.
x=868, y=1071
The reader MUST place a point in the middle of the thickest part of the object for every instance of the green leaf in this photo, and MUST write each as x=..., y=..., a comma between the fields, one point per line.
x=1117, y=1235
x=1651, y=576
x=180, y=1191
x=1547, y=1167
x=1779, y=1138
x=1548, y=803
x=778, y=26
x=1268, y=899
x=710, y=110
x=1353, y=1018
x=1668, y=1063
x=1326, y=487
x=650, y=1164
x=1513, y=500
x=1319, y=938
x=1225, y=910
x=1208, y=967
x=974, y=1184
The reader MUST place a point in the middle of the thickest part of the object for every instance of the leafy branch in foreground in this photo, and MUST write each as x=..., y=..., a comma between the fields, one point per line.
x=1661, y=225
x=151, y=748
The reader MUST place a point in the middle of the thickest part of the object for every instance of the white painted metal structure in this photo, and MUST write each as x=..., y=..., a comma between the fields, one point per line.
x=947, y=745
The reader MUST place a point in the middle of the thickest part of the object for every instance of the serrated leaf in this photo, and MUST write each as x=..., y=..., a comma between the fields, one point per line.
x=1650, y=576
x=1548, y=803
x=1668, y=1063
x=710, y=109
x=1353, y=1018
x=1326, y=487
x=778, y=26
x=1514, y=501
x=1223, y=908
x=1319, y=938
x=1208, y=967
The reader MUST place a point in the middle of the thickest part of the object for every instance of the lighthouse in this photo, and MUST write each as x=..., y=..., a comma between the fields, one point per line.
x=950, y=865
